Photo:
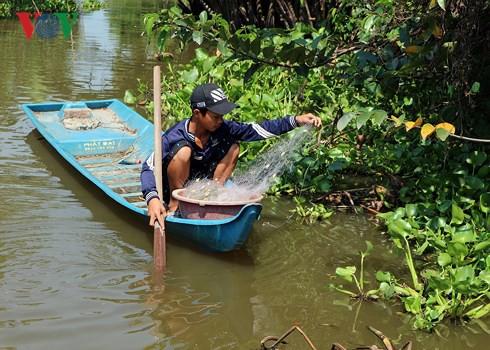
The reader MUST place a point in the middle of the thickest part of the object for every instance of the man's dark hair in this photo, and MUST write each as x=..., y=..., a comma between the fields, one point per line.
x=203, y=110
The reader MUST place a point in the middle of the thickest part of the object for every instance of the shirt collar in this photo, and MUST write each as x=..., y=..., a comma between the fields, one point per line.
x=189, y=134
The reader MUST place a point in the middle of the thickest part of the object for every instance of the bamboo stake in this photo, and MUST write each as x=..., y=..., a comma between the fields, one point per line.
x=159, y=242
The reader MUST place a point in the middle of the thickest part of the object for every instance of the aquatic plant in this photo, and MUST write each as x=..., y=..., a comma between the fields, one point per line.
x=348, y=273
x=374, y=73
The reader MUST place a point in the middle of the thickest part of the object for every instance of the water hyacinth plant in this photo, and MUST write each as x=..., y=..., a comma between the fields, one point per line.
x=382, y=77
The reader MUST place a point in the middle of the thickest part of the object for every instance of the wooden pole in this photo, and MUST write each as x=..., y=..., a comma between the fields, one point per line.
x=159, y=244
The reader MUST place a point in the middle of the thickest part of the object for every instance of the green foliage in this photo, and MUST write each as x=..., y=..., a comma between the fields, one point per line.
x=8, y=8
x=367, y=64
x=348, y=273
x=311, y=212
x=92, y=5
x=452, y=230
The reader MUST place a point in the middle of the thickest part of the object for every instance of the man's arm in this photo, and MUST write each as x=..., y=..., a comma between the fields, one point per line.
x=156, y=210
x=271, y=128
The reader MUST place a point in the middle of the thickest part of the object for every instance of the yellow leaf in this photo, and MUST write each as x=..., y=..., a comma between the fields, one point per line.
x=413, y=49
x=397, y=121
x=448, y=126
x=433, y=4
x=437, y=31
x=411, y=125
x=427, y=130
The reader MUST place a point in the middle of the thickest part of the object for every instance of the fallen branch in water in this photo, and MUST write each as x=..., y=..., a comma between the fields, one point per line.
x=276, y=341
x=280, y=340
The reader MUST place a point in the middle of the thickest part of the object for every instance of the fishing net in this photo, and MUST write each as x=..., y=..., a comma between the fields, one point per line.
x=257, y=178
x=87, y=119
x=79, y=119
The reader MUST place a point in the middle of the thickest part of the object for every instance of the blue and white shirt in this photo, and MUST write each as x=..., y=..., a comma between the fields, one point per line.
x=204, y=161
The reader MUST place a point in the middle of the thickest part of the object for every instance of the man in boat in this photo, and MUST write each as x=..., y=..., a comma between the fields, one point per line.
x=206, y=146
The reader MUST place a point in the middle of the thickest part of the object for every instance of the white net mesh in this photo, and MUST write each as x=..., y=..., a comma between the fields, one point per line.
x=257, y=178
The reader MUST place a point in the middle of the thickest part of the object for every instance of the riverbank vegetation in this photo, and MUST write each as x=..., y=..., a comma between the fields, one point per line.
x=9, y=8
x=403, y=93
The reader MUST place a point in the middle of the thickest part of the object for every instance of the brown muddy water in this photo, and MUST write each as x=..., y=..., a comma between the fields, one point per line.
x=76, y=272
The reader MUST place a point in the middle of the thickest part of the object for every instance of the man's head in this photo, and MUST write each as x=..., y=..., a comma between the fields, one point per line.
x=211, y=97
x=209, y=104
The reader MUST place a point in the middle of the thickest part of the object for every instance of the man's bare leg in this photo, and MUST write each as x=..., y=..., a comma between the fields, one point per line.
x=178, y=172
x=225, y=167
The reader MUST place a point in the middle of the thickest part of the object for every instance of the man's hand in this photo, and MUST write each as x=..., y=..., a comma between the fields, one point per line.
x=156, y=211
x=308, y=119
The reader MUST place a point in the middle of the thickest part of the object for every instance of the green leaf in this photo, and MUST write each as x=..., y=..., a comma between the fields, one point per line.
x=368, y=24
x=436, y=282
x=222, y=47
x=400, y=227
x=484, y=171
x=463, y=276
x=444, y=206
x=201, y=54
x=485, y=202
x=346, y=272
x=129, y=98
x=457, y=214
x=420, y=250
x=176, y=10
x=479, y=311
x=485, y=276
x=397, y=243
x=362, y=119
x=457, y=250
x=325, y=185
x=475, y=88
x=197, y=36
x=203, y=16
x=477, y=158
x=442, y=134
x=382, y=276
x=413, y=304
x=474, y=183
x=444, y=259
x=442, y=4
x=464, y=236
x=411, y=210
x=190, y=76
x=149, y=20
x=344, y=120
x=481, y=246
x=387, y=289
x=379, y=116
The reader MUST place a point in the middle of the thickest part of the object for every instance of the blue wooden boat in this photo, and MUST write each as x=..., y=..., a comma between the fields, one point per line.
x=106, y=142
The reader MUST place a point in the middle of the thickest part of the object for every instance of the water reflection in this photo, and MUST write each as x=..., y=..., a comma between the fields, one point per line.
x=95, y=43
